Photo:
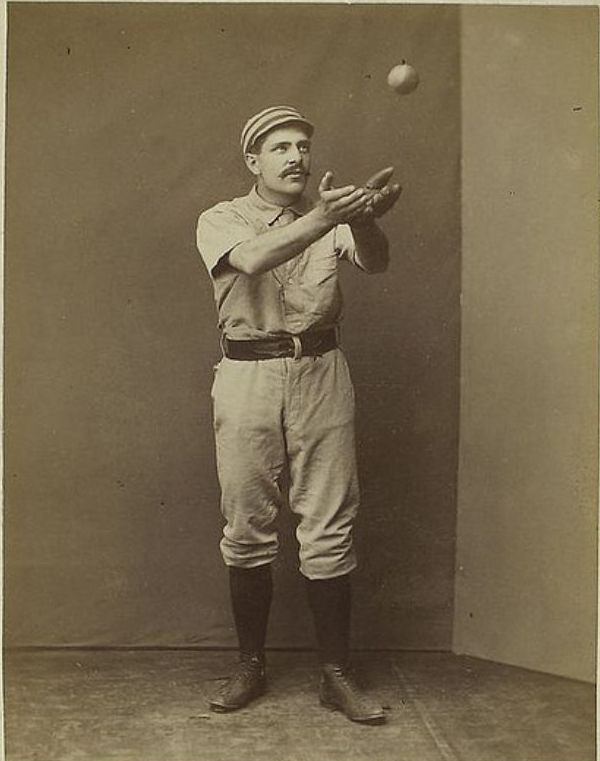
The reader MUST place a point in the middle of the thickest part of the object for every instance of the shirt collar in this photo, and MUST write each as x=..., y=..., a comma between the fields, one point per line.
x=269, y=212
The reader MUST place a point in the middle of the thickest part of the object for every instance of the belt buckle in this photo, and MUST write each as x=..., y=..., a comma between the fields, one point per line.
x=297, y=347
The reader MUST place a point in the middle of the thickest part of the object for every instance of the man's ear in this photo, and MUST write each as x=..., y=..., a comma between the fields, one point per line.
x=252, y=163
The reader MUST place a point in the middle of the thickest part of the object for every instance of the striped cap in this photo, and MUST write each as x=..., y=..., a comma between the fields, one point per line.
x=266, y=120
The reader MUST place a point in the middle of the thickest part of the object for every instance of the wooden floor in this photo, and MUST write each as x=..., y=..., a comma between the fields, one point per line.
x=151, y=706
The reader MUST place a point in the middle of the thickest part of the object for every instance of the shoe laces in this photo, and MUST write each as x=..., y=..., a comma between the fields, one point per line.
x=251, y=664
x=344, y=675
x=347, y=677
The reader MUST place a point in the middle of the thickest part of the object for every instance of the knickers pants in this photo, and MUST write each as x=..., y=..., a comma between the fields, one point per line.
x=295, y=412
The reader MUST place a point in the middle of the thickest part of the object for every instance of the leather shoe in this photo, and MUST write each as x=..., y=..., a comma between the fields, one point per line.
x=246, y=683
x=339, y=692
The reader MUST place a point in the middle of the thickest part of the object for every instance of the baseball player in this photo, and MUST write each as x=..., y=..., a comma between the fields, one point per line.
x=282, y=394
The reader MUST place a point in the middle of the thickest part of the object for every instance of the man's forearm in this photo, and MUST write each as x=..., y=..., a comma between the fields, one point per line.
x=372, y=247
x=278, y=245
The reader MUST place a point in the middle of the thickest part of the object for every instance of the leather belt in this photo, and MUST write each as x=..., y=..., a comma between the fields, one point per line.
x=313, y=343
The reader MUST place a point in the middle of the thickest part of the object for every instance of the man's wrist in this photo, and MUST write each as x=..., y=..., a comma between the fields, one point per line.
x=320, y=221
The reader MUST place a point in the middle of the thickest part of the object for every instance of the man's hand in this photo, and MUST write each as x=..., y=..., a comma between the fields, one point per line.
x=383, y=199
x=379, y=202
x=339, y=205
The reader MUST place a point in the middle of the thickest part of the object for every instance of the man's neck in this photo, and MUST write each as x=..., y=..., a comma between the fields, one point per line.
x=278, y=199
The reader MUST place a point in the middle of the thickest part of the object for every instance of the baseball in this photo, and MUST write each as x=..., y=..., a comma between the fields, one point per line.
x=403, y=78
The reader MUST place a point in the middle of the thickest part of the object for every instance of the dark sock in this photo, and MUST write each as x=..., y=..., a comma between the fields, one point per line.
x=251, y=592
x=330, y=602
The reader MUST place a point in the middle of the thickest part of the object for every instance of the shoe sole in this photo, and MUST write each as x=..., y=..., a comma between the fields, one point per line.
x=371, y=720
x=224, y=708
x=218, y=708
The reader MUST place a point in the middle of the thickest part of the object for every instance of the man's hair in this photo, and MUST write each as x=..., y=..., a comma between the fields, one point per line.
x=257, y=145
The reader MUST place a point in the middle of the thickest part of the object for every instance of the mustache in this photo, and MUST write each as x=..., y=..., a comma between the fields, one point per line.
x=295, y=170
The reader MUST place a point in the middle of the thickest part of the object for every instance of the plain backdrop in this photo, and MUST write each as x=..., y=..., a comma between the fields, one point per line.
x=123, y=123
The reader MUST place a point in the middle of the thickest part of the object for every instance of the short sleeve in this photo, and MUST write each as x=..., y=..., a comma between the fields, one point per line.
x=219, y=231
x=344, y=244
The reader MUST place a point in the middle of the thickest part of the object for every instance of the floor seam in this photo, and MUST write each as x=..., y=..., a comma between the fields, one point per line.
x=446, y=751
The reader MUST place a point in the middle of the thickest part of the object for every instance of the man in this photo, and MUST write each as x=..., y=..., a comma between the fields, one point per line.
x=283, y=398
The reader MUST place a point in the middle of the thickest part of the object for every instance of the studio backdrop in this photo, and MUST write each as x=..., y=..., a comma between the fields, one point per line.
x=123, y=124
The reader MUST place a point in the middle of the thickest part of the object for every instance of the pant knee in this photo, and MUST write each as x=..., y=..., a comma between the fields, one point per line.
x=248, y=554
x=335, y=561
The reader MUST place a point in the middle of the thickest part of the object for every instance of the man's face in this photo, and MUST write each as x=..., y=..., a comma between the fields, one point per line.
x=282, y=163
